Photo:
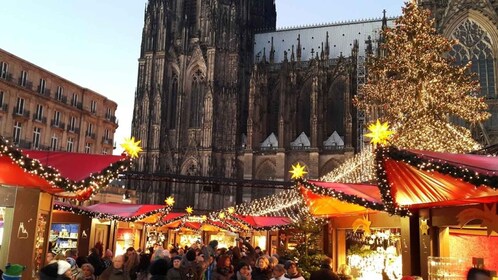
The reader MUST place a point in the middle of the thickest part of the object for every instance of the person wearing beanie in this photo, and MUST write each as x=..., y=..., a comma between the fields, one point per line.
x=64, y=270
x=242, y=272
x=193, y=268
x=49, y=272
x=87, y=272
x=292, y=271
x=174, y=273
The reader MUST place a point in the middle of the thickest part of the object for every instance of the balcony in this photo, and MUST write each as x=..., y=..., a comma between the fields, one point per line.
x=106, y=141
x=111, y=119
x=62, y=99
x=39, y=119
x=57, y=124
x=25, y=84
x=45, y=91
x=90, y=135
x=4, y=107
x=17, y=112
x=73, y=129
x=23, y=144
x=8, y=77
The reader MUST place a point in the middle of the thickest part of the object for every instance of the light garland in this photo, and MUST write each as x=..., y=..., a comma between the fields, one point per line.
x=88, y=187
x=358, y=169
x=106, y=216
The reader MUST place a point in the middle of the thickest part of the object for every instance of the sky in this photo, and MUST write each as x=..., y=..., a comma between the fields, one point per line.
x=96, y=43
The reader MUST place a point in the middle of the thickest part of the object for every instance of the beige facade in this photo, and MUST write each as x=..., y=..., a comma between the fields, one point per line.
x=41, y=110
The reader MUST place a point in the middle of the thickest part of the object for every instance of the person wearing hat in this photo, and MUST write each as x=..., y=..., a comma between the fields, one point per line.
x=174, y=273
x=49, y=272
x=158, y=269
x=292, y=272
x=64, y=271
x=242, y=272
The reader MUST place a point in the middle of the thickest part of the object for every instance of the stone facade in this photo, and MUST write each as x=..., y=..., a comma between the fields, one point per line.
x=222, y=93
x=41, y=110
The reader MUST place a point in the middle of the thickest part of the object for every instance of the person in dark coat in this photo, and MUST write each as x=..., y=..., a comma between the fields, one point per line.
x=478, y=274
x=116, y=271
x=96, y=261
x=49, y=272
x=262, y=270
x=325, y=272
x=174, y=273
x=242, y=272
x=224, y=268
x=158, y=269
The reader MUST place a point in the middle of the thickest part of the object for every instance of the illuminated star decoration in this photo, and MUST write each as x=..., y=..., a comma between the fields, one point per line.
x=379, y=133
x=204, y=218
x=131, y=147
x=189, y=210
x=222, y=215
x=170, y=201
x=231, y=210
x=298, y=171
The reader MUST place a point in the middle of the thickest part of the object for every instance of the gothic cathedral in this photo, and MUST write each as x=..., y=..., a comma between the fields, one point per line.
x=222, y=93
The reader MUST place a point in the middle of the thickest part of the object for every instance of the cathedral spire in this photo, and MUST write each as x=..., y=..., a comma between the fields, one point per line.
x=264, y=56
x=272, y=52
x=292, y=54
x=298, y=51
x=322, y=53
x=384, y=20
x=327, y=47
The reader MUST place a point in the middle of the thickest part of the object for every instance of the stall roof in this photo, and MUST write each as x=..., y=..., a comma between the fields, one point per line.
x=264, y=222
x=74, y=166
x=13, y=175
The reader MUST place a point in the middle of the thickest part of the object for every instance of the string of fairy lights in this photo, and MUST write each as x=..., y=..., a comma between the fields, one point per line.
x=93, y=183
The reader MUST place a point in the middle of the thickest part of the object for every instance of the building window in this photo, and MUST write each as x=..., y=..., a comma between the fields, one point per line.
x=474, y=45
x=108, y=114
x=70, y=143
x=1, y=98
x=41, y=87
x=93, y=106
x=72, y=123
x=106, y=134
x=39, y=112
x=74, y=100
x=36, y=137
x=20, y=106
x=88, y=148
x=172, y=103
x=54, y=142
x=17, y=132
x=57, y=118
x=4, y=69
x=60, y=93
x=196, y=98
x=24, y=78
x=89, y=129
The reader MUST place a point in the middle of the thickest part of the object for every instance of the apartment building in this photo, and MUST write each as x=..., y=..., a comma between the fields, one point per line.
x=41, y=110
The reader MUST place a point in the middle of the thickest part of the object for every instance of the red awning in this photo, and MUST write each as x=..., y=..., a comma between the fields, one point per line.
x=74, y=166
x=367, y=192
x=124, y=210
x=479, y=163
x=264, y=222
x=13, y=175
x=415, y=188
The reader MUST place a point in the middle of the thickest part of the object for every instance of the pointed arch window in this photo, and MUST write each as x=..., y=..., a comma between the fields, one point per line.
x=196, y=96
x=474, y=45
x=172, y=103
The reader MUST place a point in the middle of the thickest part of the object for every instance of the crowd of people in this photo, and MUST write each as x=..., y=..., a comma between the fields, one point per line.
x=197, y=262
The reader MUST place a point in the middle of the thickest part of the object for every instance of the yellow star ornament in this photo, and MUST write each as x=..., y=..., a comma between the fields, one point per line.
x=222, y=215
x=379, y=132
x=189, y=210
x=298, y=171
x=170, y=201
x=131, y=147
x=231, y=210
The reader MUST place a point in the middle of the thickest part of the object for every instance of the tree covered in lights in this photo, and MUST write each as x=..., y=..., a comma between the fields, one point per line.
x=417, y=88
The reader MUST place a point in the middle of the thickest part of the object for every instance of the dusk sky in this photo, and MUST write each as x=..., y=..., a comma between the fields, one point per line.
x=96, y=43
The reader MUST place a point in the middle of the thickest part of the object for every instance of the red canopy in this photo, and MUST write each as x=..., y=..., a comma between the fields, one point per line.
x=264, y=222
x=74, y=166
x=13, y=175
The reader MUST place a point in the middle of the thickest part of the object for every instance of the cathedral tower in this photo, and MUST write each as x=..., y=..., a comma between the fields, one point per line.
x=191, y=96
